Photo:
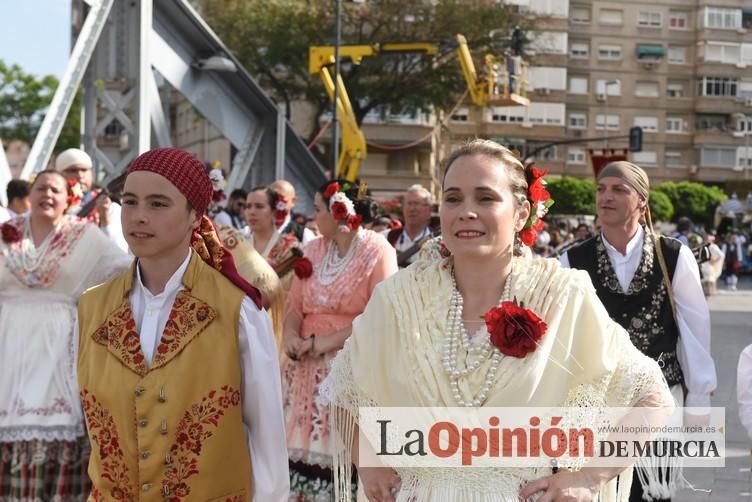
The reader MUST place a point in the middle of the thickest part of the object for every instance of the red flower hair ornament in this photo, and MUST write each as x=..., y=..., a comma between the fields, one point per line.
x=342, y=208
x=540, y=202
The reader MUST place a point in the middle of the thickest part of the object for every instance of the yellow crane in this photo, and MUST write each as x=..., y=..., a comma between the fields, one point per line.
x=502, y=83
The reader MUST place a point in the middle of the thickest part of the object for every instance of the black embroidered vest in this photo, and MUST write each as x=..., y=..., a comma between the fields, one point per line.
x=644, y=310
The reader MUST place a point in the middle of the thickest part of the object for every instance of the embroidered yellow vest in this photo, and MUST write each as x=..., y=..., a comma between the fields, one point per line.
x=172, y=431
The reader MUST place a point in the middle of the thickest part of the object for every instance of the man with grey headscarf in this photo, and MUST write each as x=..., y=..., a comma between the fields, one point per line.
x=654, y=291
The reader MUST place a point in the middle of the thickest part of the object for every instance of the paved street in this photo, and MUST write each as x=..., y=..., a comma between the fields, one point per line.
x=732, y=331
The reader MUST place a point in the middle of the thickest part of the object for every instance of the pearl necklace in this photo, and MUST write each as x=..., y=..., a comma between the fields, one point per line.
x=332, y=265
x=31, y=256
x=477, y=353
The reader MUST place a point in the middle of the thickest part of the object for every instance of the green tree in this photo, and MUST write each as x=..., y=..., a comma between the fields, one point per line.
x=24, y=100
x=661, y=208
x=271, y=39
x=693, y=200
x=572, y=195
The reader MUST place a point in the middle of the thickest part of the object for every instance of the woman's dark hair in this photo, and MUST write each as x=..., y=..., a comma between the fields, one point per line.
x=364, y=206
x=271, y=195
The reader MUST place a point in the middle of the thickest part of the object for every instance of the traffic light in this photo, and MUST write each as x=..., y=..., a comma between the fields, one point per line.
x=635, y=139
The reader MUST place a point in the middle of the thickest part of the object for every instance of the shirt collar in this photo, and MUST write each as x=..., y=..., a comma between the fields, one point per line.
x=634, y=243
x=173, y=284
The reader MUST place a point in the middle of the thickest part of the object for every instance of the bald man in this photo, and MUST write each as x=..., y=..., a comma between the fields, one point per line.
x=624, y=264
x=286, y=190
x=76, y=165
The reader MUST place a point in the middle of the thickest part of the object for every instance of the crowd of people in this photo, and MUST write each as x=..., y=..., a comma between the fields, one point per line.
x=147, y=351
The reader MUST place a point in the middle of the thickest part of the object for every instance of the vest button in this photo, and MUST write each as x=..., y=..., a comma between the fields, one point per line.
x=139, y=391
x=143, y=422
x=146, y=487
x=145, y=454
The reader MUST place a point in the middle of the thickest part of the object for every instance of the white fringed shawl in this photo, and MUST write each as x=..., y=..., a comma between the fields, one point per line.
x=393, y=358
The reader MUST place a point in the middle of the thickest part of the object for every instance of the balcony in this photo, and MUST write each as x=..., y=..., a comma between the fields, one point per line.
x=712, y=104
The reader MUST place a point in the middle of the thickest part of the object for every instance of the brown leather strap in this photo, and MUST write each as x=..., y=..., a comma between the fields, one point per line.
x=664, y=271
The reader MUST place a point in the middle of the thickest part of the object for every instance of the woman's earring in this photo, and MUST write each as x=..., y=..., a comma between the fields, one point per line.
x=517, y=247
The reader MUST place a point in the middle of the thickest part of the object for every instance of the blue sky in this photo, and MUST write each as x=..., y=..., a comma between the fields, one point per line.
x=35, y=34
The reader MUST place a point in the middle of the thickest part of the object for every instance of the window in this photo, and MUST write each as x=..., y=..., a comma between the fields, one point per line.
x=744, y=157
x=678, y=20
x=579, y=50
x=575, y=155
x=546, y=113
x=549, y=153
x=746, y=53
x=677, y=55
x=577, y=121
x=646, y=89
x=744, y=124
x=723, y=19
x=578, y=85
x=611, y=17
x=609, y=52
x=461, y=115
x=507, y=114
x=649, y=19
x=673, y=159
x=648, y=124
x=723, y=52
x=718, y=156
x=613, y=122
x=716, y=86
x=613, y=88
x=545, y=77
x=675, y=90
x=674, y=125
x=549, y=42
x=710, y=122
x=580, y=15
x=645, y=158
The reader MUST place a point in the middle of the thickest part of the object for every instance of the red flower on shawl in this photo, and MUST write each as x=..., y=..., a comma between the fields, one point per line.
x=303, y=268
x=514, y=330
x=339, y=211
x=11, y=233
x=331, y=190
x=75, y=193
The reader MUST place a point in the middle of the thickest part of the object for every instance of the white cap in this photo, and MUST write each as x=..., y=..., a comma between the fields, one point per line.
x=72, y=157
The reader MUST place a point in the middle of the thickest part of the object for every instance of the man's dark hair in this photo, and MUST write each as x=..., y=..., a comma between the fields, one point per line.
x=17, y=189
x=238, y=193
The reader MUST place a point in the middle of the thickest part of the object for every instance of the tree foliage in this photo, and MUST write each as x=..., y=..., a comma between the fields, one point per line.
x=661, y=208
x=24, y=100
x=572, y=195
x=693, y=200
x=271, y=39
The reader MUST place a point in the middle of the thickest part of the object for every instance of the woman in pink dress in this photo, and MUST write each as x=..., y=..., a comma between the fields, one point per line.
x=332, y=286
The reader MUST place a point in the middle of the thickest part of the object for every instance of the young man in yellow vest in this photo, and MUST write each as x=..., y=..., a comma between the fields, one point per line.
x=177, y=365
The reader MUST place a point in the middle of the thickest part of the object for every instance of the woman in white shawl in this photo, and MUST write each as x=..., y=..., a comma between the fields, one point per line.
x=406, y=350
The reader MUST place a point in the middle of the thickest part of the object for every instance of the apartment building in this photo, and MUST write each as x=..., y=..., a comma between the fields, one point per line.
x=681, y=70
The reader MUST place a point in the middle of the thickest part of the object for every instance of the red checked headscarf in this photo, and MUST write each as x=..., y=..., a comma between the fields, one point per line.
x=190, y=177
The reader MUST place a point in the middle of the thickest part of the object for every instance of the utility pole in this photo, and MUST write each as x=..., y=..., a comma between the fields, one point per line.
x=335, y=122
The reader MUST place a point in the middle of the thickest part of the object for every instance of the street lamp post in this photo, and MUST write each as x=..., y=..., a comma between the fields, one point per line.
x=605, y=103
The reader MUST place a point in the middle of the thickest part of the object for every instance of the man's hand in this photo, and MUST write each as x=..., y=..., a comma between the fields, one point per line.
x=103, y=208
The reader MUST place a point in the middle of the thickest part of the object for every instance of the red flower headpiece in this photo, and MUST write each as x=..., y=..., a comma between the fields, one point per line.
x=540, y=201
x=341, y=207
x=280, y=210
x=75, y=193
x=10, y=233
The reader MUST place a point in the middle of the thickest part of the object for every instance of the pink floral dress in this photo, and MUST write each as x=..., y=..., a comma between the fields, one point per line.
x=325, y=309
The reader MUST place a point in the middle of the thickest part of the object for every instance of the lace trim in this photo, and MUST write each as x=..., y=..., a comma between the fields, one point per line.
x=51, y=433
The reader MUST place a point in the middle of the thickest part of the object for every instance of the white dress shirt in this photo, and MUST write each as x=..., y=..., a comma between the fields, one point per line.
x=261, y=388
x=744, y=388
x=308, y=234
x=692, y=315
x=405, y=242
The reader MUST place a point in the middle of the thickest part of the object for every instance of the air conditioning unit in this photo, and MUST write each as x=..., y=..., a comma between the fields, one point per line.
x=748, y=102
x=693, y=169
x=741, y=30
x=738, y=168
x=543, y=90
x=738, y=134
x=648, y=65
x=601, y=96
